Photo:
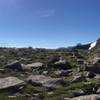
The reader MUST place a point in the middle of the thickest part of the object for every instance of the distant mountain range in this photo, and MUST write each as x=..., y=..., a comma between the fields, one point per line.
x=89, y=46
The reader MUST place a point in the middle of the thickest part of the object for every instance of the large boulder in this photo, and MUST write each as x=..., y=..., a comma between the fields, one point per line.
x=58, y=63
x=86, y=97
x=45, y=81
x=62, y=64
x=38, y=79
x=95, y=67
x=10, y=83
x=15, y=65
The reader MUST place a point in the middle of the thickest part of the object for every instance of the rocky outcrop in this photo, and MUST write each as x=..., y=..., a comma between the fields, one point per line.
x=16, y=65
x=63, y=72
x=81, y=46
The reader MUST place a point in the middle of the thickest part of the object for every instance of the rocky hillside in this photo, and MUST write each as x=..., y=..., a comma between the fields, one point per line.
x=50, y=74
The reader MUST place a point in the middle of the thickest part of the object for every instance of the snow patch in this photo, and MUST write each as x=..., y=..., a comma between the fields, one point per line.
x=92, y=45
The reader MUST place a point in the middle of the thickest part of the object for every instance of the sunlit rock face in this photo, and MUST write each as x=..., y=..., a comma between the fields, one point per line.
x=10, y=82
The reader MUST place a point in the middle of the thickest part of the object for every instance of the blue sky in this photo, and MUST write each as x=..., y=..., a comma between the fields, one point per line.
x=48, y=23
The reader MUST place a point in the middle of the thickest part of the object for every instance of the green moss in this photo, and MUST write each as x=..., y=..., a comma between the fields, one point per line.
x=30, y=89
x=3, y=96
x=59, y=95
x=73, y=86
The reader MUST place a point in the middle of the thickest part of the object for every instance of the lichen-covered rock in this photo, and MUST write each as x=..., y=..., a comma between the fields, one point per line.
x=9, y=82
x=45, y=81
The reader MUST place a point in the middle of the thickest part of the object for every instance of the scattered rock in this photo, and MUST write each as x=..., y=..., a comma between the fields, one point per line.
x=66, y=98
x=66, y=72
x=88, y=88
x=77, y=92
x=97, y=87
x=81, y=61
x=89, y=74
x=45, y=72
x=54, y=84
x=38, y=95
x=97, y=76
x=78, y=77
x=63, y=72
x=62, y=64
x=33, y=65
x=58, y=72
x=12, y=97
x=95, y=67
x=98, y=91
x=2, y=70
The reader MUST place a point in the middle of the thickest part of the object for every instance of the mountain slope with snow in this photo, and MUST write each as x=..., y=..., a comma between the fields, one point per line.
x=92, y=45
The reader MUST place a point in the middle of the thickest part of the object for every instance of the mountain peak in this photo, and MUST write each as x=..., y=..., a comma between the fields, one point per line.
x=98, y=40
x=92, y=45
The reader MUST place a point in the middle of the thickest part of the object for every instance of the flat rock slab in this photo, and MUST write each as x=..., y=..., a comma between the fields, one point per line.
x=9, y=82
x=87, y=97
x=33, y=65
x=45, y=81
x=39, y=78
